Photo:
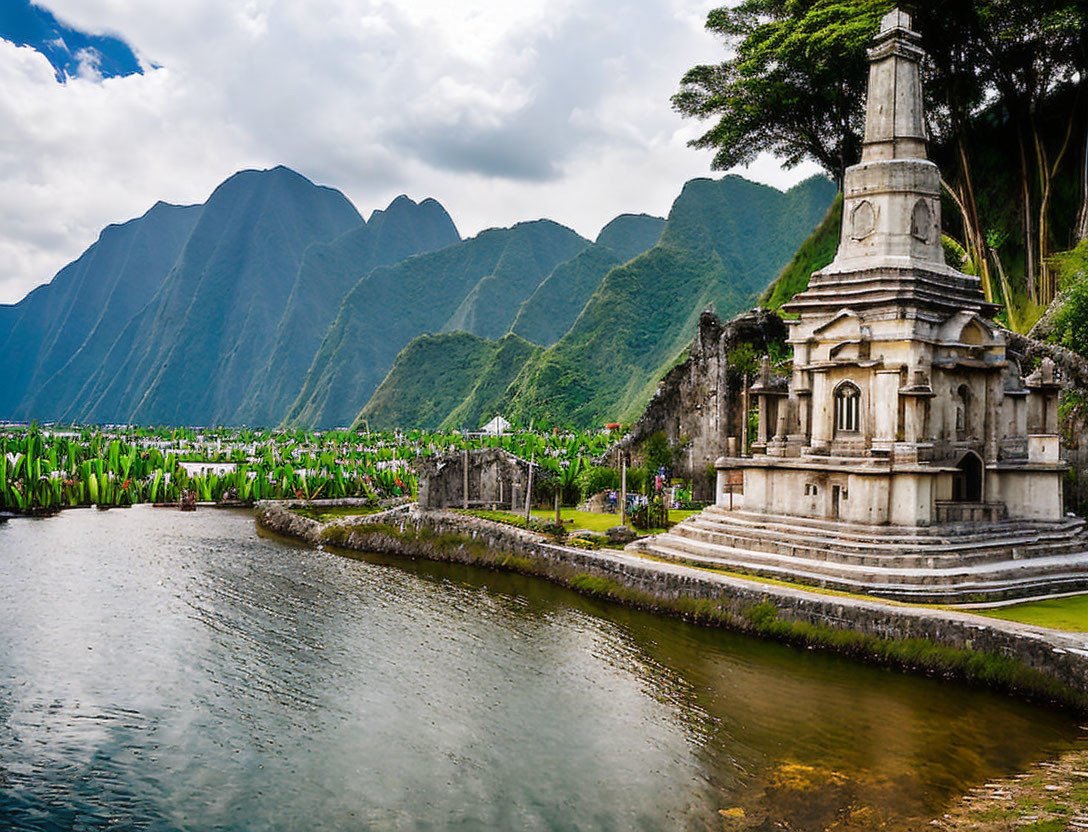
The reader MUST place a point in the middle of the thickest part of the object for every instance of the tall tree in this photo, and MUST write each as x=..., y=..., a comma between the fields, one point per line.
x=793, y=86
x=795, y=80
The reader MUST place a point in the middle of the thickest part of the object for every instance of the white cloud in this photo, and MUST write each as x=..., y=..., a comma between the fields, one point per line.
x=501, y=111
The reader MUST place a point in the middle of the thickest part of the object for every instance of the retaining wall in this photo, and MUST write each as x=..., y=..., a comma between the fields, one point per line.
x=1032, y=661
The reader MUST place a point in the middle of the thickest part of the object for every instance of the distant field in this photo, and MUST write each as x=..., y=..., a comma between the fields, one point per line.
x=1058, y=614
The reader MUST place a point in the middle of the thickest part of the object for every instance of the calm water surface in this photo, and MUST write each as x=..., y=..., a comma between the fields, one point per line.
x=170, y=671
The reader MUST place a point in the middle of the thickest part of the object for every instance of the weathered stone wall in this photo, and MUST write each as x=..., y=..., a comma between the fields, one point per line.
x=1072, y=371
x=496, y=479
x=1060, y=660
x=699, y=402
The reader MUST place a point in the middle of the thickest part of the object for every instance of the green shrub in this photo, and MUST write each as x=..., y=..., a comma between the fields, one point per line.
x=597, y=478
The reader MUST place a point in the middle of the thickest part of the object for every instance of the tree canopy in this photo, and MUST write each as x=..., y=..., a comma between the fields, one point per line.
x=1004, y=81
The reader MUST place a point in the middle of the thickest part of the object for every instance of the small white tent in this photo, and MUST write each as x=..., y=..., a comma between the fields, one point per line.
x=496, y=426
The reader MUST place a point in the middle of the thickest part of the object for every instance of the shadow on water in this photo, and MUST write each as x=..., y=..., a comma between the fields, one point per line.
x=166, y=671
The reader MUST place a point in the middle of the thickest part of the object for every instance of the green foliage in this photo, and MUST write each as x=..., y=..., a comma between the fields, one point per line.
x=723, y=242
x=596, y=478
x=743, y=360
x=815, y=253
x=658, y=452
x=793, y=86
x=1070, y=322
x=476, y=285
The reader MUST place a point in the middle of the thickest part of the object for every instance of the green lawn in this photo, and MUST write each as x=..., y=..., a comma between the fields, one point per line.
x=1058, y=614
x=592, y=521
x=323, y=514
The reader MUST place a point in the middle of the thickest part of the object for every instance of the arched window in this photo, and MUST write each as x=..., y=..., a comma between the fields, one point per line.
x=847, y=408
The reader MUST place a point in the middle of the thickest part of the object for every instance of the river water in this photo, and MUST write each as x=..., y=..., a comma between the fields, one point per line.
x=170, y=671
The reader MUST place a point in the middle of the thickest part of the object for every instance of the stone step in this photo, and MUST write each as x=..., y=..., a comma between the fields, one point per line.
x=1006, y=580
x=871, y=535
x=1063, y=532
x=945, y=574
x=822, y=548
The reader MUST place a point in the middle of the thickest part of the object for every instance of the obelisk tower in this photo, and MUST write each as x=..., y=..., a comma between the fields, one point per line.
x=892, y=208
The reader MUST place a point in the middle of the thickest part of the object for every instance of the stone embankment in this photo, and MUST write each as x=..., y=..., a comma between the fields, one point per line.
x=1018, y=658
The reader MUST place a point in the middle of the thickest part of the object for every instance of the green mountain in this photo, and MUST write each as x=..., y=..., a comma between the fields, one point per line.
x=428, y=382
x=815, y=253
x=327, y=273
x=551, y=310
x=188, y=354
x=477, y=284
x=724, y=241
x=59, y=333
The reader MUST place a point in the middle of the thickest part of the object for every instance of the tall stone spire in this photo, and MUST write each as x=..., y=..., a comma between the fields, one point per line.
x=892, y=208
x=894, y=118
x=890, y=255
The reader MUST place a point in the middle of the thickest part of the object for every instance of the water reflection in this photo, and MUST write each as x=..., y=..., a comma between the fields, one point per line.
x=169, y=671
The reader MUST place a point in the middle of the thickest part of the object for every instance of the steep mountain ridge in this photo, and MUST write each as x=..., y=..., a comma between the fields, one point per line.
x=327, y=273
x=184, y=358
x=474, y=283
x=551, y=310
x=60, y=332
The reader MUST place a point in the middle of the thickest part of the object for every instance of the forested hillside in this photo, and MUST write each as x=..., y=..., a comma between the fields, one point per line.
x=478, y=283
x=551, y=310
x=1005, y=88
x=724, y=241
x=447, y=381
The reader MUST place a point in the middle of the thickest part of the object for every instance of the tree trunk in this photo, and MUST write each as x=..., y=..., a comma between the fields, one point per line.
x=1080, y=231
x=1047, y=173
x=1029, y=240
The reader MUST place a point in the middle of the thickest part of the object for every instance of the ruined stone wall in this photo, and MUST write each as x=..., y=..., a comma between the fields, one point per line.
x=699, y=403
x=1072, y=371
x=496, y=479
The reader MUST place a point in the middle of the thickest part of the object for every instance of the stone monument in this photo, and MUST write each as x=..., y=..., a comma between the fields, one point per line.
x=908, y=449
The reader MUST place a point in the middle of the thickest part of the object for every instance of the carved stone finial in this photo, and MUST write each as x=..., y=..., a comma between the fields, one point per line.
x=895, y=19
x=765, y=369
x=1046, y=370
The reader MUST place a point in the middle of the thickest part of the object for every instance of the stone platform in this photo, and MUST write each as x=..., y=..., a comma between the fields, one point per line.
x=950, y=564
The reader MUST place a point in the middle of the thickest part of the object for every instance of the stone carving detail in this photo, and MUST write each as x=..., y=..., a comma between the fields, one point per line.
x=921, y=223
x=862, y=220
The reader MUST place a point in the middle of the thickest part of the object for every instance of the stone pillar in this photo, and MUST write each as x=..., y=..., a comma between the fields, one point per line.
x=822, y=415
x=885, y=408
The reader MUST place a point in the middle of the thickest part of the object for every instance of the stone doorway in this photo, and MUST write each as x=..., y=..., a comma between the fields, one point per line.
x=967, y=483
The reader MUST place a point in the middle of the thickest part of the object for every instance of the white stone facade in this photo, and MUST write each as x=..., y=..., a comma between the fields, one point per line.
x=903, y=407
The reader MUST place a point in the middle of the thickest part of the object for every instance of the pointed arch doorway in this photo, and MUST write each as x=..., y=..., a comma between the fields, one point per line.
x=967, y=483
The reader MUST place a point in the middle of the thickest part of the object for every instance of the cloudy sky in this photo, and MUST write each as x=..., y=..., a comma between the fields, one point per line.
x=503, y=110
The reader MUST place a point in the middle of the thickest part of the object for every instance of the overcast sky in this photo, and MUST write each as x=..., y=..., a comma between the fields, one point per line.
x=502, y=110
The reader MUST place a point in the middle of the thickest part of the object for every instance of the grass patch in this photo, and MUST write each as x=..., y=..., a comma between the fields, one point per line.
x=323, y=514
x=600, y=522
x=505, y=517
x=1069, y=614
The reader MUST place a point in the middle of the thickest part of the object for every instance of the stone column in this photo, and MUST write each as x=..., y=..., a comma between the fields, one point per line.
x=822, y=426
x=885, y=408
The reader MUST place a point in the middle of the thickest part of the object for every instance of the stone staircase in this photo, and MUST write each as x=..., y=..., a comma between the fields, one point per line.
x=950, y=564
